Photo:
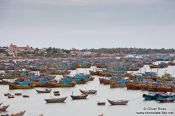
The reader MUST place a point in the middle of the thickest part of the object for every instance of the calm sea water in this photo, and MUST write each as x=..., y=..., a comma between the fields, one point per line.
x=36, y=105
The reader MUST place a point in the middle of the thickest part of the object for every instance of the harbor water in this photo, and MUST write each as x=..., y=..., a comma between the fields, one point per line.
x=36, y=105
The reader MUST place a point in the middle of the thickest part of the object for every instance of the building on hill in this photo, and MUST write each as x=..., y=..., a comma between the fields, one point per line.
x=15, y=50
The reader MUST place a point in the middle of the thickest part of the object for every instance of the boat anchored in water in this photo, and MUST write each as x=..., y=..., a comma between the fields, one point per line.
x=101, y=103
x=3, y=108
x=56, y=100
x=77, y=97
x=44, y=91
x=88, y=91
x=118, y=102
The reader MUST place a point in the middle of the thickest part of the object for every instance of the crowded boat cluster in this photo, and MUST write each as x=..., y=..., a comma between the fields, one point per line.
x=57, y=73
x=161, y=97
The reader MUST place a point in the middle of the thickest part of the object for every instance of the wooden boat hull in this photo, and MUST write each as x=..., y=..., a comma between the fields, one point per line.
x=154, y=66
x=105, y=81
x=3, y=108
x=79, y=97
x=84, y=81
x=43, y=91
x=60, y=73
x=13, y=86
x=81, y=82
x=37, y=84
x=56, y=100
x=26, y=96
x=94, y=73
x=149, y=97
x=10, y=96
x=5, y=82
x=115, y=85
x=18, y=94
x=53, y=84
x=88, y=91
x=118, y=102
x=166, y=100
x=18, y=114
x=133, y=86
x=90, y=79
x=101, y=103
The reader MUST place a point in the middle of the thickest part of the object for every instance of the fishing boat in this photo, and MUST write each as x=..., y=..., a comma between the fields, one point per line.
x=114, y=85
x=11, y=96
x=101, y=103
x=82, y=78
x=77, y=97
x=14, y=86
x=118, y=102
x=41, y=115
x=101, y=114
x=88, y=91
x=60, y=72
x=54, y=84
x=94, y=73
x=18, y=94
x=56, y=100
x=105, y=81
x=133, y=85
x=37, y=84
x=82, y=65
x=44, y=91
x=153, y=66
x=26, y=96
x=90, y=79
x=98, y=65
x=165, y=96
x=16, y=114
x=166, y=100
x=81, y=82
x=3, y=108
x=163, y=65
x=3, y=82
x=56, y=93
x=171, y=63
x=133, y=69
x=144, y=86
x=149, y=96
x=6, y=94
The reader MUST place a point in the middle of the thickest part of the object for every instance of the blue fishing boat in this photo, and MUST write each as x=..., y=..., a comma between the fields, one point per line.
x=82, y=78
x=165, y=96
x=166, y=100
x=149, y=96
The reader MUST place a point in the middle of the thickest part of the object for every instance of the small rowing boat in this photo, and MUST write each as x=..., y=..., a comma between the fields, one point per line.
x=56, y=100
x=44, y=91
x=88, y=91
x=118, y=102
x=56, y=93
x=18, y=94
x=101, y=103
x=26, y=96
x=77, y=97
x=3, y=108
x=11, y=96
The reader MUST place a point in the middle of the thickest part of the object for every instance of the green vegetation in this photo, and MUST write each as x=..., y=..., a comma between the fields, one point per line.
x=58, y=52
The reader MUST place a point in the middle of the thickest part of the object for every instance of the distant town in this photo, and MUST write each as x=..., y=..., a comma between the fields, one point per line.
x=27, y=51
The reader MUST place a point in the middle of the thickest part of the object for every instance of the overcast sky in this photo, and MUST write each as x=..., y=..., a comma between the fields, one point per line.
x=88, y=23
